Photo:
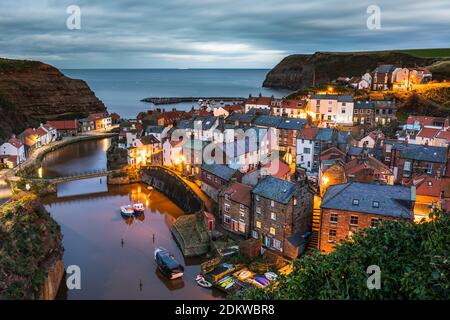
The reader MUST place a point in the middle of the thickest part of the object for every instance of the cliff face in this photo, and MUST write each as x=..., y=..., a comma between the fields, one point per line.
x=299, y=71
x=32, y=92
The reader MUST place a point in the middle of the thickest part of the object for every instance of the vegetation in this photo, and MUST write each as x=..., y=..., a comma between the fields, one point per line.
x=29, y=238
x=413, y=259
x=428, y=53
x=7, y=65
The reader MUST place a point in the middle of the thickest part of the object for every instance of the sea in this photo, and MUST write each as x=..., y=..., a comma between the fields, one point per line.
x=122, y=90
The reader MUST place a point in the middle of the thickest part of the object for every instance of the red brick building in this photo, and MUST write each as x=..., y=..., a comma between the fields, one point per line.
x=215, y=176
x=349, y=207
x=235, y=208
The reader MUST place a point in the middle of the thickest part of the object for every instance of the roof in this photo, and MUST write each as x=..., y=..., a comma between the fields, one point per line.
x=41, y=131
x=291, y=123
x=355, y=166
x=444, y=135
x=64, y=124
x=267, y=121
x=428, y=121
x=364, y=105
x=324, y=134
x=394, y=201
x=338, y=97
x=275, y=189
x=293, y=104
x=154, y=129
x=239, y=193
x=219, y=170
x=308, y=133
x=241, y=117
x=385, y=68
x=260, y=100
x=421, y=153
x=16, y=143
x=97, y=116
x=258, y=111
x=276, y=168
x=428, y=133
x=297, y=239
x=195, y=144
x=233, y=108
x=431, y=186
x=150, y=139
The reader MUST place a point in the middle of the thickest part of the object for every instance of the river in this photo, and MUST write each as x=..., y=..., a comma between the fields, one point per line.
x=93, y=231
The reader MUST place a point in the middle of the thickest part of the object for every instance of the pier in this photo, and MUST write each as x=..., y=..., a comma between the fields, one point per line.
x=174, y=100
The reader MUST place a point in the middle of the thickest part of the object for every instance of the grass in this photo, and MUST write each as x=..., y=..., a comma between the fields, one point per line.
x=428, y=53
x=16, y=65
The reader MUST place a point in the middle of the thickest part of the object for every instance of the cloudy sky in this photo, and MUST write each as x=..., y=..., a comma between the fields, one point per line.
x=211, y=33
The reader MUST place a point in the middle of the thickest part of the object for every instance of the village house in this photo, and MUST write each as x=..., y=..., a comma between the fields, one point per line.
x=382, y=77
x=282, y=215
x=235, y=208
x=101, y=119
x=367, y=168
x=192, y=157
x=431, y=194
x=427, y=136
x=12, y=152
x=373, y=139
x=332, y=109
x=415, y=123
x=159, y=132
x=225, y=111
x=442, y=139
x=385, y=111
x=364, y=113
x=170, y=118
x=86, y=125
x=64, y=127
x=215, y=176
x=289, y=108
x=258, y=103
x=410, y=160
x=275, y=168
x=115, y=118
x=239, y=119
x=349, y=207
x=36, y=138
x=173, y=154
x=146, y=150
x=288, y=129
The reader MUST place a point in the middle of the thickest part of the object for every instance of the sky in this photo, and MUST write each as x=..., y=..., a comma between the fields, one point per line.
x=211, y=33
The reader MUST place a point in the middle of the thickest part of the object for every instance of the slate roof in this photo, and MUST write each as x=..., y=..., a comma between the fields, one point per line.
x=151, y=139
x=394, y=201
x=154, y=129
x=242, y=117
x=324, y=134
x=384, y=68
x=267, y=121
x=364, y=105
x=258, y=111
x=291, y=123
x=275, y=189
x=219, y=170
x=338, y=97
x=421, y=153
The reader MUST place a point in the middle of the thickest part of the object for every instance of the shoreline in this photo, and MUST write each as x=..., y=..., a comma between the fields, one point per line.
x=173, y=100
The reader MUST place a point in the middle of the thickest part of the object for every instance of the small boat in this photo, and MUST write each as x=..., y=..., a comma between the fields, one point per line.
x=262, y=281
x=167, y=264
x=150, y=188
x=127, y=211
x=138, y=208
x=202, y=282
x=271, y=276
x=229, y=285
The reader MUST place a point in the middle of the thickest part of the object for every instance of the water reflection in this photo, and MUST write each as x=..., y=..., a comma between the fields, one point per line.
x=75, y=158
x=116, y=254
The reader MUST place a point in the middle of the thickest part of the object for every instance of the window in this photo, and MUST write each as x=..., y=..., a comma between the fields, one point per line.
x=227, y=197
x=227, y=207
x=255, y=234
x=272, y=203
x=306, y=150
x=295, y=201
x=277, y=244
x=374, y=222
x=332, y=235
x=429, y=168
x=330, y=110
x=355, y=202
x=226, y=219
x=273, y=216
x=272, y=231
x=258, y=224
x=333, y=218
x=242, y=215
x=375, y=204
x=355, y=112
x=343, y=111
x=257, y=198
x=354, y=220
x=258, y=210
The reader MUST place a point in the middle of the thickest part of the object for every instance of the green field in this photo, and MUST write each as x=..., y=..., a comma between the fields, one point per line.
x=428, y=53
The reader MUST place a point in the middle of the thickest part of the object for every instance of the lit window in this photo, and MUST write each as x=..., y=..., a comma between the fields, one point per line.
x=255, y=234
x=272, y=203
x=332, y=235
x=277, y=244
x=354, y=220
x=257, y=198
x=272, y=231
x=258, y=224
x=227, y=207
x=258, y=210
x=273, y=216
x=226, y=219
x=355, y=202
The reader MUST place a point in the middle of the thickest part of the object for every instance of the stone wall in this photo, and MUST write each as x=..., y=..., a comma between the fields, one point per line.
x=54, y=278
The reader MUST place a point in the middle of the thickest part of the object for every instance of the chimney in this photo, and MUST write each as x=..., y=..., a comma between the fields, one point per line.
x=413, y=193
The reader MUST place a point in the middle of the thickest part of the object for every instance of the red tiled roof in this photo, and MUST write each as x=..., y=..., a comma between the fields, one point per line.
x=40, y=131
x=64, y=124
x=260, y=101
x=307, y=133
x=233, y=108
x=239, y=193
x=331, y=153
x=15, y=142
x=293, y=104
x=356, y=166
x=374, y=134
x=428, y=133
x=431, y=186
x=27, y=132
x=277, y=169
x=444, y=135
x=426, y=121
x=97, y=116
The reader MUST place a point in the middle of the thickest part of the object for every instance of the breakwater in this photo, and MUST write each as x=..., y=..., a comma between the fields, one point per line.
x=173, y=100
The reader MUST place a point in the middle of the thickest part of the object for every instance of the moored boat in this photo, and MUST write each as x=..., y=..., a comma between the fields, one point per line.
x=138, y=207
x=167, y=264
x=202, y=282
x=127, y=211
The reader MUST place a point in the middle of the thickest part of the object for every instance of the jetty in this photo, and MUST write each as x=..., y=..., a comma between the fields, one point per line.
x=173, y=100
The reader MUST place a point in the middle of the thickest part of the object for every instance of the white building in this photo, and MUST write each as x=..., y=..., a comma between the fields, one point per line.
x=305, y=148
x=15, y=149
x=258, y=103
x=332, y=108
x=172, y=153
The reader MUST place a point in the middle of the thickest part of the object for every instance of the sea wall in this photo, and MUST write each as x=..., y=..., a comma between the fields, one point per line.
x=173, y=187
x=55, y=275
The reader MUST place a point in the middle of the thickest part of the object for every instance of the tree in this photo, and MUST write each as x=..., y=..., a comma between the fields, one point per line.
x=413, y=259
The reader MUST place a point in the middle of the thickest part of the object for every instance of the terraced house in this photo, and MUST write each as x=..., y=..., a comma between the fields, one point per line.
x=349, y=207
x=332, y=108
x=282, y=215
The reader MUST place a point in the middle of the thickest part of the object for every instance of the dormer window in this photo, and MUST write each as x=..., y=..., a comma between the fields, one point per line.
x=355, y=202
x=376, y=204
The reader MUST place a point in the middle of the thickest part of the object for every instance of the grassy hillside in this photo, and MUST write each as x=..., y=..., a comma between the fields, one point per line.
x=428, y=53
x=7, y=65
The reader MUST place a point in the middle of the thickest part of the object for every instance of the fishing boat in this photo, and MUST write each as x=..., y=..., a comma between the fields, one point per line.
x=167, y=264
x=271, y=276
x=127, y=211
x=202, y=282
x=138, y=207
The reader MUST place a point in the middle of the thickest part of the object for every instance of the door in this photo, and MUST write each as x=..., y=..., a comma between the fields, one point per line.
x=267, y=242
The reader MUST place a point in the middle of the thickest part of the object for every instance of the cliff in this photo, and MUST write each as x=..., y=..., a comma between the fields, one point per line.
x=30, y=250
x=300, y=70
x=32, y=92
